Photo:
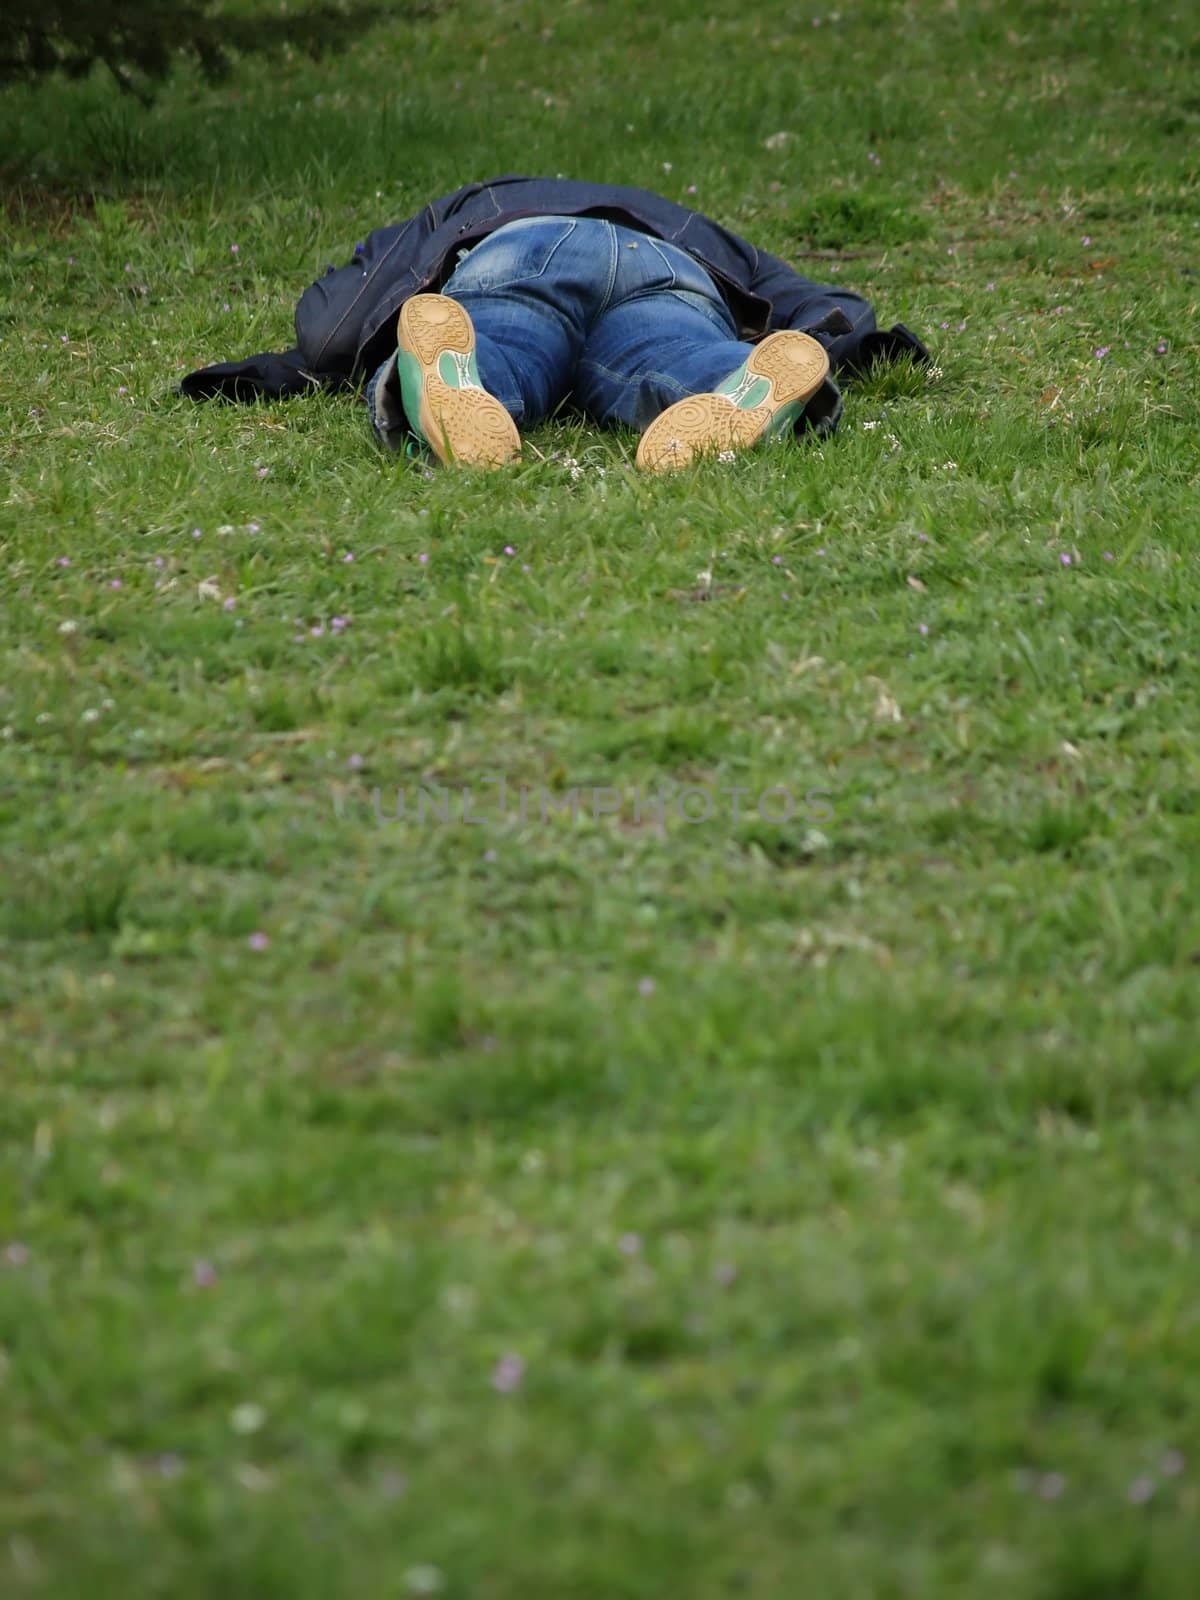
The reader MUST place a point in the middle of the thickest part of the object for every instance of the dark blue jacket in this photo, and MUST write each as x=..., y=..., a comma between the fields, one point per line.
x=346, y=321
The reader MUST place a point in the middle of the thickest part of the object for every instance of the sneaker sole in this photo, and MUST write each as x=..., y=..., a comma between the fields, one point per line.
x=464, y=427
x=794, y=365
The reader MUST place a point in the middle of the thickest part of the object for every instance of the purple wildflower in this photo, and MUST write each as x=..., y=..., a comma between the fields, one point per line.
x=1065, y=559
x=1101, y=351
x=115, y=583
x=509, y=551
x=922, y=628
x=262, y=472
x=204, y=1274
x=776, y=561
x=645, y=986
x=233, y=249
x=253, y=527
x=64, y=561
x=507, y=1373
x=355, y=762
x=630, y=1244
x=258, y=940
x=229, y=604
x=423, y=558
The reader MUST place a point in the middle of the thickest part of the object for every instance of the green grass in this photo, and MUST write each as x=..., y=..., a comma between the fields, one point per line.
x=833, y=1180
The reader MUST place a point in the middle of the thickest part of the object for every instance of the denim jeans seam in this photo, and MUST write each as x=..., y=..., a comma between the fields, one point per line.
x=613, y=269
x=666, y=287
x=509, y=282
x=623, y=381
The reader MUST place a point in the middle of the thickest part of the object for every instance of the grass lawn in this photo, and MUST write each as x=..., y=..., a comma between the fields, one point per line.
x=600, y=1206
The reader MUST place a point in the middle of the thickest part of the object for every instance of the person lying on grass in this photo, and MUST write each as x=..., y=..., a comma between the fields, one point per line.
x=499, y=304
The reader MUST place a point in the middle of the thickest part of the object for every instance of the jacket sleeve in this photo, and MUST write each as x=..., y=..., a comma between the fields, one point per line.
x=270, y=376
x=842, y=320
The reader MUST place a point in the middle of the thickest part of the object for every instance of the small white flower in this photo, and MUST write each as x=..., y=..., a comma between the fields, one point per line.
x=777, y=140
x=208, y=589
x=226, y=527
x=949, y=466
x=42, y=716
x=90, y=715
x=108, y=704
x=869, y=427
x=247, y=1418
x=893, y=442
x=68, y=626
x=887, y=708
x=932, y=374
x=726, y=456
x=424, y=1580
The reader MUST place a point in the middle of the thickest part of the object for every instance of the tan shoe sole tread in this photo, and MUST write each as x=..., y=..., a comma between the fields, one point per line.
x=465, y=427
x=795, y=366
x=431, y=323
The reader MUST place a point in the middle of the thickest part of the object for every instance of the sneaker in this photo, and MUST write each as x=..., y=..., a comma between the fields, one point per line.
x=764, y=397
x=447, y=406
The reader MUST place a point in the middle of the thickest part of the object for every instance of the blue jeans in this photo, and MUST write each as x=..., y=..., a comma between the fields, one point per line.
x=579, y=309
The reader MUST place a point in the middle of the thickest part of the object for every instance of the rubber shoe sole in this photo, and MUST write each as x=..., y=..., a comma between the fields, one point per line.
x=444, y=400
x=764, y=397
